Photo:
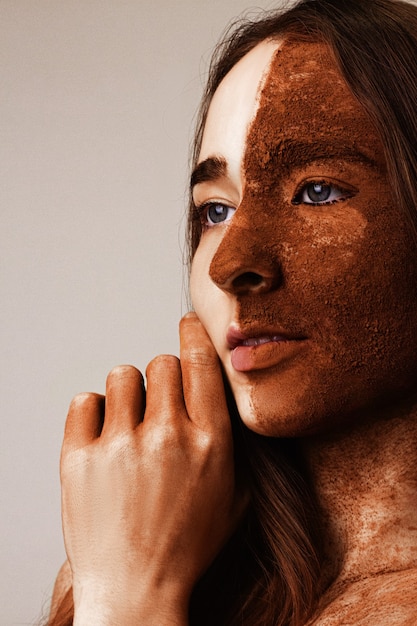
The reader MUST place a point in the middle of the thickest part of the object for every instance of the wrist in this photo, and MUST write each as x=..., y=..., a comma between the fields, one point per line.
x=107, y=605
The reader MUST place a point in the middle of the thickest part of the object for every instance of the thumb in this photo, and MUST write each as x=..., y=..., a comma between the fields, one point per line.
x=204, y=392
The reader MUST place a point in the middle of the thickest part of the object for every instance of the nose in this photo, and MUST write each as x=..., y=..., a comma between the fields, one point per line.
x=245, y=264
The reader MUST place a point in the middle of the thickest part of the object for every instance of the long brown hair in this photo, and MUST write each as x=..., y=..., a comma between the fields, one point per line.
x=268, y=574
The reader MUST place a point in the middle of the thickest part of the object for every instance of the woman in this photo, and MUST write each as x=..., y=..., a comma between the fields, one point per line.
x=271, y=477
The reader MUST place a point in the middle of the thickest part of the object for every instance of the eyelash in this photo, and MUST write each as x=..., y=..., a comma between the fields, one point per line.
x=202, y=211
x=344, y=193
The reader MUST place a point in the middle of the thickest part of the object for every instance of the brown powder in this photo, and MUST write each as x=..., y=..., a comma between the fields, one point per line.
x=343, y=278
x=344, y=274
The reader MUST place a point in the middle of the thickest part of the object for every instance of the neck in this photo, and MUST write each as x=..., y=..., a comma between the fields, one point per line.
x=366, y=484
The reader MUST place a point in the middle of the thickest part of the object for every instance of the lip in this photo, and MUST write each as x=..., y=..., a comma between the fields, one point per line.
x=261, y=348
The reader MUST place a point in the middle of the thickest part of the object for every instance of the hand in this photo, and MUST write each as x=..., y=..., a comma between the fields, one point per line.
x=148, y=495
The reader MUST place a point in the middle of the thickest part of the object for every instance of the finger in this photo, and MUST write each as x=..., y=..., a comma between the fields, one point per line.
x=84, y=420
x=202, y=377
x=125, y=399
x=164, y=397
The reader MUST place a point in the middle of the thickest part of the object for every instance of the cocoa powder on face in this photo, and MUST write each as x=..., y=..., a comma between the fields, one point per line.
x=344, y=274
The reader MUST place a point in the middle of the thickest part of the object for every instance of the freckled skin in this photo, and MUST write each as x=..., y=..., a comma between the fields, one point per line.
x=344, y=277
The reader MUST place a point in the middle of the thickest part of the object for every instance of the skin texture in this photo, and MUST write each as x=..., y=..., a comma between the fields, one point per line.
x=311, y=307
x=148, y=495
x=338, y=282
x=300, y=270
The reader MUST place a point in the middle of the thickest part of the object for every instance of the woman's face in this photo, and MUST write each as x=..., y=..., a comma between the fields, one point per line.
x=305, y=277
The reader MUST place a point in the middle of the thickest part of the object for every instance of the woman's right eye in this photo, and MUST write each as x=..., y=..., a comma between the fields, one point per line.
x=213, y=213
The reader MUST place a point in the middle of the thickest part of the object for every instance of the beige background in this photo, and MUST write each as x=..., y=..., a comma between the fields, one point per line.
x=96, y=108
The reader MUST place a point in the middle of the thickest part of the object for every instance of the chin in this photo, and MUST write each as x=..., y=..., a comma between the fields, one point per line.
x=270, y=405
x=290, y=411
x=268, y=416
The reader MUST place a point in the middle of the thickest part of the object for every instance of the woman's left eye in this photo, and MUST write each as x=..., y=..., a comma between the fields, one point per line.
x=320, y=192
x=213, y=213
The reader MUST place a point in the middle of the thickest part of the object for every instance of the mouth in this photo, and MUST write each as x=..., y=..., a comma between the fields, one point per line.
x=258, y=350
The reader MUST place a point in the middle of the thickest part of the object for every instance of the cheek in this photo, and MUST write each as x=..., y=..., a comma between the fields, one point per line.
x=199, y=278
x=195, y=286
x=206, y=298
x=322, y=245
x=338, y=230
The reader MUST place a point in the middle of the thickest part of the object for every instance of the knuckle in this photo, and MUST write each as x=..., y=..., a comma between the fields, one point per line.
x=165, y=362
x=205, y=443
x=120, y=451
x=199, y=357
x=74, y=461
x=84, y=401
x=120, y=444
x=163, y=437
x=123, y=371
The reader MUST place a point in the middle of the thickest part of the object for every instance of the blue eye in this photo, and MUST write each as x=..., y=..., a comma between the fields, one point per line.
x=319, y=192
x=216, y=213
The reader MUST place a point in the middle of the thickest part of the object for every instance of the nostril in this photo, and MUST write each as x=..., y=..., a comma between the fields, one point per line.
x=247, y=280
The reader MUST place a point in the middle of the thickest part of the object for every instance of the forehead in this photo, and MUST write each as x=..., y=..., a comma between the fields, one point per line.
x=234, y=105
x=305, y=97
x=282, y=93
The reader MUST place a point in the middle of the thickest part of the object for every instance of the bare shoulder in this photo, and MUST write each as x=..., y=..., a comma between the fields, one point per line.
x=62, y=586
x=385, y=600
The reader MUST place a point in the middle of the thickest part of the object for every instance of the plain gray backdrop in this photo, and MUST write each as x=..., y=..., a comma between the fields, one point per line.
x=96, y=114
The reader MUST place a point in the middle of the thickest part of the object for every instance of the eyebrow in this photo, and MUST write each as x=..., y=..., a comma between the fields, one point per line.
x=287, y=153
x=292, y=153
x=208, y=170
